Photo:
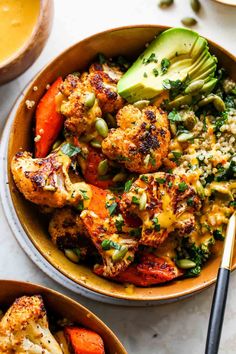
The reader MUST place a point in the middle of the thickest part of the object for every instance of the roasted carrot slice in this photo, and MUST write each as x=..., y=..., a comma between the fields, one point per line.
x=84, y=341
x=91, y=171
x=151, y=270
x=98, y=202
x=49, y=122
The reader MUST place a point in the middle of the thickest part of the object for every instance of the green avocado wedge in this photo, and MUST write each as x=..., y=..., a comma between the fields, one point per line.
x=176, y=54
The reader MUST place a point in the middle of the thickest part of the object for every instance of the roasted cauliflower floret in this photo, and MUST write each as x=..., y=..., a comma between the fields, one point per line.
x=79, y=104
x=65, y=228
x=104, y=78
x=109, y=233
x=24, y=328
x=84, y=99
x=141, y=140
x=45, y=181
x=164, y=202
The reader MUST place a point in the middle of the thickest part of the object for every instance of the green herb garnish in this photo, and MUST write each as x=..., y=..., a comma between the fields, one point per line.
x=70, y=150
x=111, y=208
x=182, y=186
x=165, y=63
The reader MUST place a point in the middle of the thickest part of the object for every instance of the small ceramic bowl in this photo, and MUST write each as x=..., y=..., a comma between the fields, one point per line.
x=63, y=307
x=31, y=49
x=128, y=41
x=227, y=2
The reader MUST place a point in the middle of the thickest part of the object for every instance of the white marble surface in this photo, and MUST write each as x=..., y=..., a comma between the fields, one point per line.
x=170, y=329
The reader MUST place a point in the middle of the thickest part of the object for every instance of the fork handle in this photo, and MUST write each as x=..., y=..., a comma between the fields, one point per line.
x=217, y=311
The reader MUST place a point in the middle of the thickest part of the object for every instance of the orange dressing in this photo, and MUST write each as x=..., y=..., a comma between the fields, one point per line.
x=17, y=22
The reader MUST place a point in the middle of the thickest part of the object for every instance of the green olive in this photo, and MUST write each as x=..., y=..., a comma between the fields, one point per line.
x=185, y=263
x=101, y=127
x=89, y=100
x=141, y=104
x=103, y=167
x=185, y=137
x=71, y=255
x=96, y=144
x=119, y=177
x=118, y=255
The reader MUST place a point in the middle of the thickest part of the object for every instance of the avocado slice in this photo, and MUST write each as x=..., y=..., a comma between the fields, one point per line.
x=176, y=54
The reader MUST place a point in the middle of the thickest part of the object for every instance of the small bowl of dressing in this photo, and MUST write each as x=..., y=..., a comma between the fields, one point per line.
x=24, y=29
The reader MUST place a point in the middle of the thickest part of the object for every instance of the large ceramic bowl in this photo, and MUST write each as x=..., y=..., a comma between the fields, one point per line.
x=63, y=307
x=31, y=228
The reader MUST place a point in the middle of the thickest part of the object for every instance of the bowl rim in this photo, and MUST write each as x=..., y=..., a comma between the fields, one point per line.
x=43, y=289
x=21, y=51
x=127, y=301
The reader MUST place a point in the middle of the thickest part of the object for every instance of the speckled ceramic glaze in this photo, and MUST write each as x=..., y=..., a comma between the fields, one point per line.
x=25, y=57
x=30, y=226
x=62, y=306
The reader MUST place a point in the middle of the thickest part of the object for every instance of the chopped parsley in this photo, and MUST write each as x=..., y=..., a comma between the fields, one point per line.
x=135, y=200
x=80, y=205
x=221, y=121
x=170, y=184
x=70, y=150
x=171, y=84
x=165, y=63
x=130, y=258
x=218, y=235
x=182, y=186
x=157, y=226
x=84, y=194
x=119, y=223
x=136, y=232
x=151, y=59
x=160, y=180
x=155, y=72
x=128, y=185
x=190, y=201
x=174, y=116
x=111, y=208
x=177, y=155
x=144, y=178
x=108, y=244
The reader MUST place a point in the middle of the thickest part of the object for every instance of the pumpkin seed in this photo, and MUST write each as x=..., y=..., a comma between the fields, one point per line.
x=119, y=177
x=86, y=138
x=103, y=167
x=173, y=128
x=195, y=86
x=96, y=144
x=189, y=21
x=219, y=104
x=190, y=122
x=185, y=263
x=111, y=121
x=89, y=100
x=141, y=104
x=56, y=144
x=143, y=201
x=165, y=3
x=118, y=255
x=206, y=101
x=71, y=255
x=101, y=127
x=184, y=137
x=180, y=101
x=195, y=5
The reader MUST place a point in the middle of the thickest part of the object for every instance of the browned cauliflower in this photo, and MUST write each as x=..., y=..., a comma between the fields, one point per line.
x=24, y=328
x=141, y=140
x=85, y=98
x=45, y=181
x=164, y=202
x=79, y=104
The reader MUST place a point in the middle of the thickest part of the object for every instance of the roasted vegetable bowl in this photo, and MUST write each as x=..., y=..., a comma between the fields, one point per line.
x=132, y=164
x=35, y=319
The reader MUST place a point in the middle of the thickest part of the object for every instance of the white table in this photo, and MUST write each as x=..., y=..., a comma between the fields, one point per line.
x=169, y=329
